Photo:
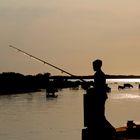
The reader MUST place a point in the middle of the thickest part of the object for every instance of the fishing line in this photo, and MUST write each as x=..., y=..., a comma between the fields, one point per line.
x=45, y=62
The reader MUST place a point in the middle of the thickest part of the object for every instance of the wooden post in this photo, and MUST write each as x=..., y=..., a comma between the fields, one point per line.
x=96, y=127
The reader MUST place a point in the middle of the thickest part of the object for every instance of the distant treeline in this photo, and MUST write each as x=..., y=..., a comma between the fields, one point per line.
x=91, y=77
x=11, y=82
x=122, y=76
x=16, y=82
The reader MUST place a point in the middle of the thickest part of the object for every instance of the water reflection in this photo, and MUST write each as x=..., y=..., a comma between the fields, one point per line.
x=130, y=96
x=127, y=80
x=33, y=117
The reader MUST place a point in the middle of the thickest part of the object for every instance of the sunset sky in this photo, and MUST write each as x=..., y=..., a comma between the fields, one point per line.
x=70, y=34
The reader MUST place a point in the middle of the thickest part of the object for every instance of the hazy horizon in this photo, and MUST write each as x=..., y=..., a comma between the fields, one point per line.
x=70, y=34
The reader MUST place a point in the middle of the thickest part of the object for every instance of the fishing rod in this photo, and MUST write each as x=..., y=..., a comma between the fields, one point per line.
x=45, y=62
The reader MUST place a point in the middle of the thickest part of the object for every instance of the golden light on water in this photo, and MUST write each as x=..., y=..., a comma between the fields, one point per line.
x=134, y=80
x=127, y=96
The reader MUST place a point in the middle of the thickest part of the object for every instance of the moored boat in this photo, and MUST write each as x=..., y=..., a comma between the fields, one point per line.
x=50, y=91
x=129, y=132
x=51, y=96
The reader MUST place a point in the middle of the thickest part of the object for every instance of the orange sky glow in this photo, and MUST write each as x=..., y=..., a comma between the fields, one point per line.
x=70, y=34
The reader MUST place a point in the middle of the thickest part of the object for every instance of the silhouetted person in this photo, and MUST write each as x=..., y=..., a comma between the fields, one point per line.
x=100, y=86
x=95, y=121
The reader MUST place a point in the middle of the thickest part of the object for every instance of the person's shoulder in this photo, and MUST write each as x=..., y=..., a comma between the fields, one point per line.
x=101, y=72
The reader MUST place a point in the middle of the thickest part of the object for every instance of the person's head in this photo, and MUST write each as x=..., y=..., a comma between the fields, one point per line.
x=97, y=64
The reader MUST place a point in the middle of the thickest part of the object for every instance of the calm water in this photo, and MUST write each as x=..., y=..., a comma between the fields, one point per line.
x=33, y=117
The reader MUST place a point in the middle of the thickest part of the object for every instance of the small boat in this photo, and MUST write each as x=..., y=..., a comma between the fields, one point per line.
x=51, y=95
x=129, y=132
x=50, y=92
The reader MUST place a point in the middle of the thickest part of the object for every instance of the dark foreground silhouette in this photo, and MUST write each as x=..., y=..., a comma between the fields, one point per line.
x=97, y=126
